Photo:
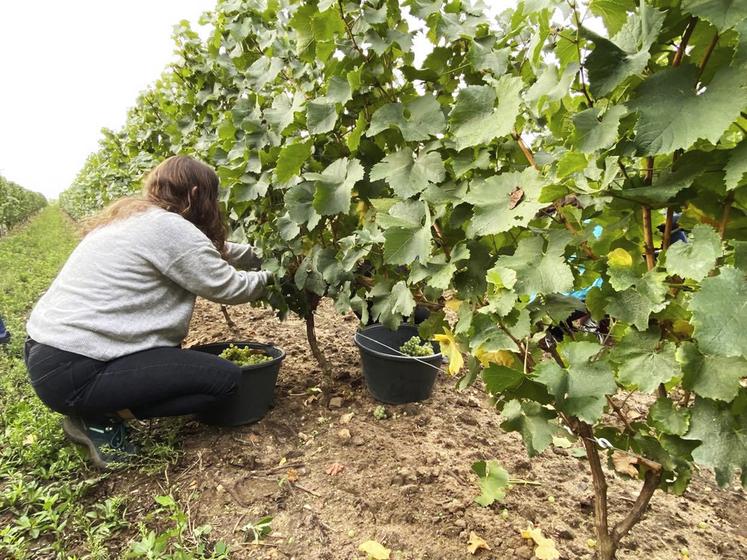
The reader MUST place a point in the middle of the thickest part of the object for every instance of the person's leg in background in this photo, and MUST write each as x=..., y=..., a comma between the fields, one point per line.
x=4, y=334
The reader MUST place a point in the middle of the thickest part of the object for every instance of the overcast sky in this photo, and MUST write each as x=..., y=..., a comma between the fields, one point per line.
x=69, y=68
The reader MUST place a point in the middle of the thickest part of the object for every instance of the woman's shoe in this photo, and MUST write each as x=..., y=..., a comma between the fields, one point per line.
x=106, y=441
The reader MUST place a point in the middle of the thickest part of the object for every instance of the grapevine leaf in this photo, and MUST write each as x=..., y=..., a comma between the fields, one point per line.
x=437, y=274
x=720, y=314
x=570, y=163
x=594, y=133
x=403, y=246
x=723, y=14
x=635, y=305
x=620, y=270
x=402, y=300
x=424, y=119
x=263, y=71
x=283, y=109
x=353, y=139
x=712, y=377
x=532, y=421
x=740, y=254
x=287, y=227
x=579, y=390
x=409, y=176
x=493, y=479
x=498, y=378
x=475, y=119
x=321, y=115
x=339, y=90
x=737, y=167
x=391, y=303
x=612, y=12
x=501, y=277
x=299, y=200
x=667, y=419
x=643, y=361
x=290, y=160
x=334, y=186
x=696, y=259
x=666, y=96
x=540, y=270
x=407, y=238
x=724, y=440
x=494, y=209
x=626, y=54
x=551, y=85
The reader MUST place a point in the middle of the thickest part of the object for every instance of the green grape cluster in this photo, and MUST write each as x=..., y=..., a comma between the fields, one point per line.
x=416, y=347
x=284, y=296
x=244, y=356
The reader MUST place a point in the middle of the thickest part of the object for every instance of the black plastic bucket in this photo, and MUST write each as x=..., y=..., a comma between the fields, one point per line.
x=256, y=390
x=391, y=377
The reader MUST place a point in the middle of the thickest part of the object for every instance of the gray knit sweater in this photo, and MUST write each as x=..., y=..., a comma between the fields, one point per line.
x=131, y=285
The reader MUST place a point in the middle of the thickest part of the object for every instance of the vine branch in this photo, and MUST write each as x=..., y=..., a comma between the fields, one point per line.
x=707, y=56
x=680, y=54
x=725, y=215
x=530, y=158
x=349, y=32
x=648, y=233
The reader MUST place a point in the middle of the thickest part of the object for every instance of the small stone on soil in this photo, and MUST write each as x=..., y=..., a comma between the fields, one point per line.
x=466, y=418
x=335, y=402
x=411, y=409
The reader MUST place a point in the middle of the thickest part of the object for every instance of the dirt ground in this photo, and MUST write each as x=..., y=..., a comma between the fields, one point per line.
x=406, y=480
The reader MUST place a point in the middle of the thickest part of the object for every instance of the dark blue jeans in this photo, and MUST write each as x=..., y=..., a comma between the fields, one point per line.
x=151, y=383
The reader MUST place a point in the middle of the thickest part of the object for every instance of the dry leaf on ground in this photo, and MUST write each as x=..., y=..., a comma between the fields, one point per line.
x=476, y=543
x=545, y=547
x=335, y=468
x=292, y=475
x=374, y=550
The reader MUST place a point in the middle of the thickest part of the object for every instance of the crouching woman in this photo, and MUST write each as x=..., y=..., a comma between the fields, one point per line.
x=104, y=340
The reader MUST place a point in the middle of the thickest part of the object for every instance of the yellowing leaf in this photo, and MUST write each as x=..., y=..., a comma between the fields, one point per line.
x=682, y=328
x=375, y=550
x=476, y=543
x=500, y=357
x=450, y=349
x=545, y=547
x=563, y=443
x=453, y=305
x=619, y=258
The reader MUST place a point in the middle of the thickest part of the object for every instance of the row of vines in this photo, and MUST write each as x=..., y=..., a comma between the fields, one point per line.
x=17, y=204
x=532, y=167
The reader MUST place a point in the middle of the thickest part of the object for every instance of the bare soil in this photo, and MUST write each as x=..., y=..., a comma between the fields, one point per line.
x=404, y=481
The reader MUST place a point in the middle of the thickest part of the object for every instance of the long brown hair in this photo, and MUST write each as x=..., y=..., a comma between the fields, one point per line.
x=169, y=186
